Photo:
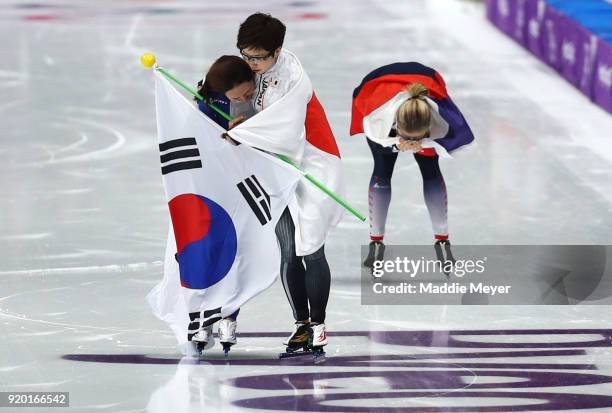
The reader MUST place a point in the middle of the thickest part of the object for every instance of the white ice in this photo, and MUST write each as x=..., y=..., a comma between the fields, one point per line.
x=83, y=221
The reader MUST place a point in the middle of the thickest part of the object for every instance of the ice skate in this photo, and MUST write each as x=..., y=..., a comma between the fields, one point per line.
x=299, y=342
x=319, y=340
x=203, y=339
x=227, y=334
x=444, y=255
x=375, y=253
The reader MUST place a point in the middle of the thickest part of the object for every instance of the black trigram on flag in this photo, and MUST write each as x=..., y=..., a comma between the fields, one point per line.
x=201, y=319
x=257, y=198
x=179, y=154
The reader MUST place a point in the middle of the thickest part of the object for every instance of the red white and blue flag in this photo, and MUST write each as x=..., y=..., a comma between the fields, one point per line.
x=224, y=202
x=380, y=93
x=296, y=126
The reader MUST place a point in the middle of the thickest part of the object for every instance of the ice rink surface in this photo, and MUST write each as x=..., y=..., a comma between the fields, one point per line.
x=83, y=221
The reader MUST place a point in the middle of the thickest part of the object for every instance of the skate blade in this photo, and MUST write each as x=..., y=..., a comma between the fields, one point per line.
x=226, y=348
x=202, y=346
x=291, y=354
x=200, y=349
x=320, y=359
x=318, y=356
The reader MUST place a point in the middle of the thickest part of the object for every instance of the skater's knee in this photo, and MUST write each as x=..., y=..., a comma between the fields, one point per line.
x=285, y=233
x=429, y=166
x=383, y=172
x=380, y=181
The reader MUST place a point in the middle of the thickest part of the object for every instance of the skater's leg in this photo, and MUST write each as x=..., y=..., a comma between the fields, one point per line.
x=317, y=284
x=292, y=269
x=379, y=199
x=379, y=192
x=312, y=337
x=434, y=190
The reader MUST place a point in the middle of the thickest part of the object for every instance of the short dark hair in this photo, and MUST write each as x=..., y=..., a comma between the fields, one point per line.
x=226, y=73
x=261, y=31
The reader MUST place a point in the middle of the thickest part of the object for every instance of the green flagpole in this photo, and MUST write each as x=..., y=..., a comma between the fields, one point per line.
x=148, y=60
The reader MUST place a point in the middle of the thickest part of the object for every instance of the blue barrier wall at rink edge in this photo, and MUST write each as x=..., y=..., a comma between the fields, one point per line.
x=573, y=37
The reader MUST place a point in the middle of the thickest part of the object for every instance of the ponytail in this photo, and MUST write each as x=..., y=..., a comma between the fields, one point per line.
x=414, y=115
x=417, y=91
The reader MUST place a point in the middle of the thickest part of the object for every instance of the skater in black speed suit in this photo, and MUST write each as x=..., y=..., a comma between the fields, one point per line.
x=305, y=279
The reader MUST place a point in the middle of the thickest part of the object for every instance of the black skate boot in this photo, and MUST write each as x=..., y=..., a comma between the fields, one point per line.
x=299, y=342
x=445, y=256
x=376, y=253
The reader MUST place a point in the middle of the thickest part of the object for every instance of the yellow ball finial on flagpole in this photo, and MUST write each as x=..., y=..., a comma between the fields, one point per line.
x=148, y=60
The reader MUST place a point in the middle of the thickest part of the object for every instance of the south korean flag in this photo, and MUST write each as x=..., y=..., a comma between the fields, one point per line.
x=224, y=202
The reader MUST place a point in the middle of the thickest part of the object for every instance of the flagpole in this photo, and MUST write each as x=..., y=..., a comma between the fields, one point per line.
x=146, y=61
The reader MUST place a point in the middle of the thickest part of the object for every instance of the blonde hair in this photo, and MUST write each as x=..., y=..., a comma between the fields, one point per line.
x=414, y=115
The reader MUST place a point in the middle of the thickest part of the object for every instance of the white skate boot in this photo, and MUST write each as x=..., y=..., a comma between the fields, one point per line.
x=204, y=338
x=227, y=334
x=319, y=335
x=319, y=340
